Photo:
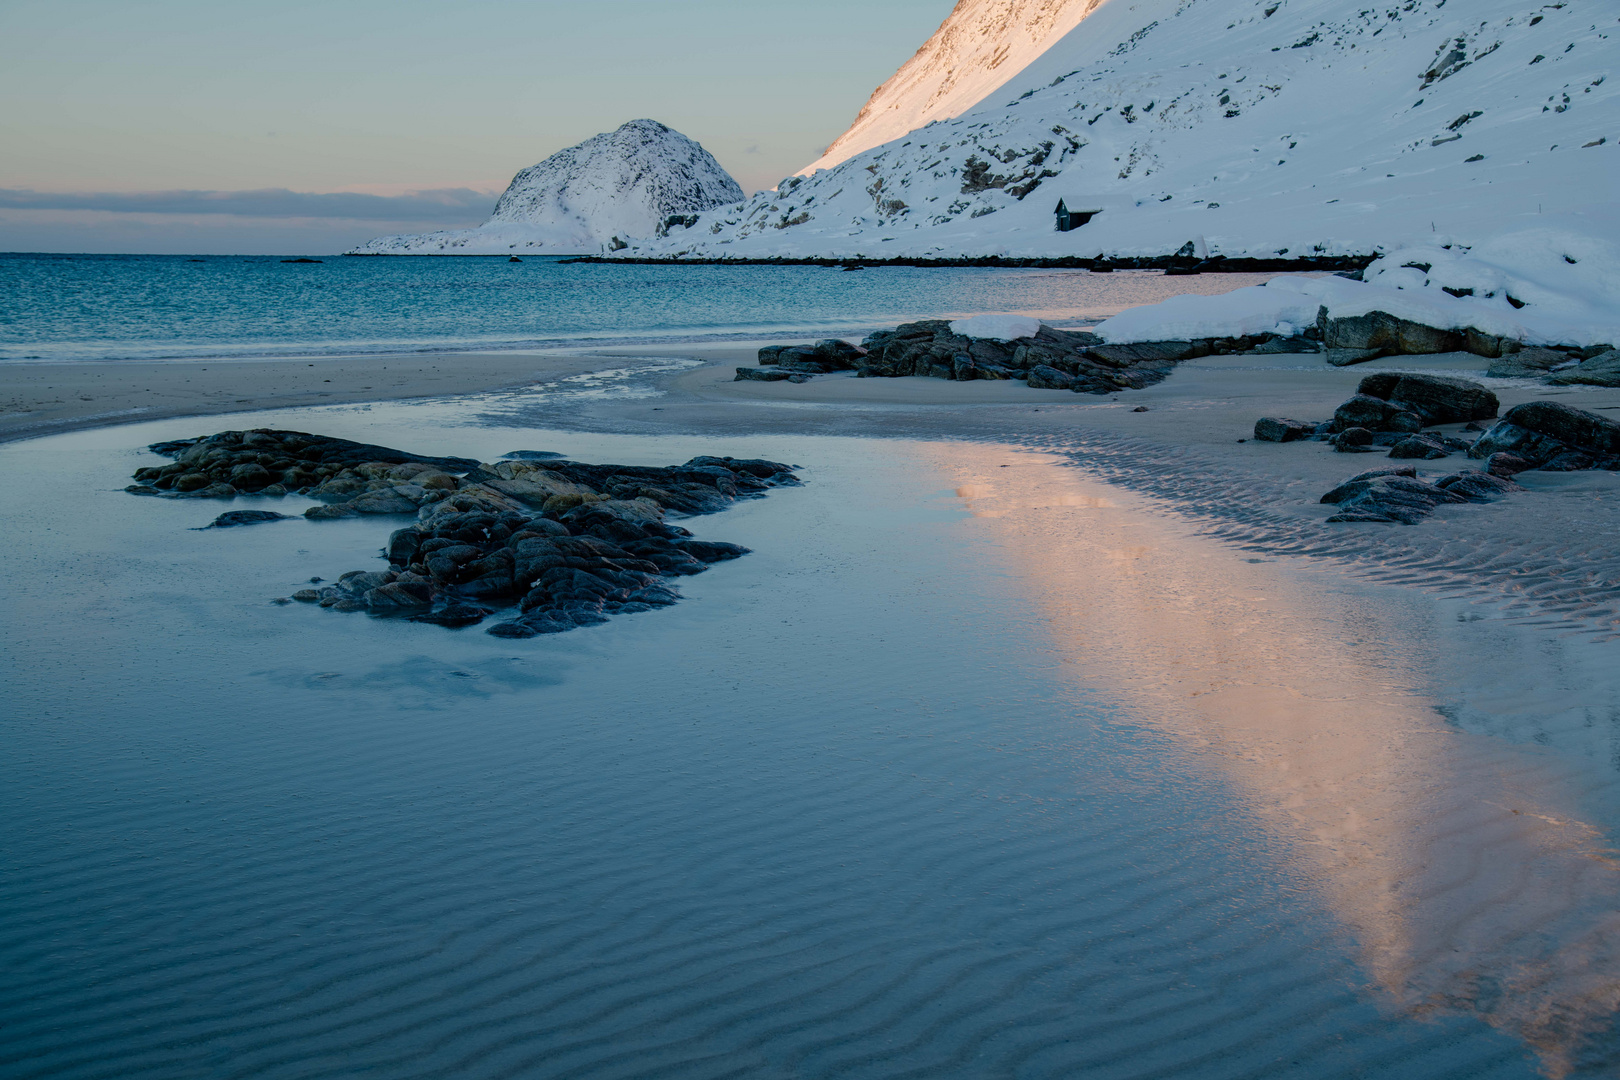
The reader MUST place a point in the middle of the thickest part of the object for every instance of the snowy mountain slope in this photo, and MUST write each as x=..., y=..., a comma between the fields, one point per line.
x=981, y=45
x=626, y=183
x=1264, y=127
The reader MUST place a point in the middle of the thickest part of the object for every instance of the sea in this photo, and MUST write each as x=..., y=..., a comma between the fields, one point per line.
x=64, y=308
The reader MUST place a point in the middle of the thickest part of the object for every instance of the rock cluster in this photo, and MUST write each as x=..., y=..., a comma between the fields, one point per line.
x=1397, y=495
x=1391, y=410
x=1051, y=360
x=565, y=543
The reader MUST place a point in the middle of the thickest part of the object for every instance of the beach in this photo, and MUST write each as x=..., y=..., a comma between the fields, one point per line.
x=43, y=398
x=1027, y=709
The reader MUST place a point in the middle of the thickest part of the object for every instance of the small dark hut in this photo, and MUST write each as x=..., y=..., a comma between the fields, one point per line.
x=1070, y=220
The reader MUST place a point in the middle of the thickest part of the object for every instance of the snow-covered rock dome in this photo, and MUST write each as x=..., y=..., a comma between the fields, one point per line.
x=611, y=188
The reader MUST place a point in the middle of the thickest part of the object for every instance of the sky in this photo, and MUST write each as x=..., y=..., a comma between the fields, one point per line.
x=183, y=126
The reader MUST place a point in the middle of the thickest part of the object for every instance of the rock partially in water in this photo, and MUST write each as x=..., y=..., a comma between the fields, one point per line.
x=560, y=543
x=233, y=518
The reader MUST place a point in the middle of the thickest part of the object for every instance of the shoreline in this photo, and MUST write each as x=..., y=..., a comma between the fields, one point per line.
x=40, y=399
x=1218, y=264
x=1186, y=443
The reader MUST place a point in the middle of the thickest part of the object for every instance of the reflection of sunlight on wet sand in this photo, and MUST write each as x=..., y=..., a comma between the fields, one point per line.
x=1456, y=862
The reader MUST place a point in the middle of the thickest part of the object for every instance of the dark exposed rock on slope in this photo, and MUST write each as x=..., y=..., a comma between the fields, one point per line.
x=565, y=543
x=1050, y=360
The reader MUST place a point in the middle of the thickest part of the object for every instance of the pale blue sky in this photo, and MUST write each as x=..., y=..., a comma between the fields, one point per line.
x=393, y=97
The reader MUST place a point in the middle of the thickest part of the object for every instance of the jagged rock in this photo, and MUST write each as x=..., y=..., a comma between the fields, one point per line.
x=1600, y=370
x=1279, y=429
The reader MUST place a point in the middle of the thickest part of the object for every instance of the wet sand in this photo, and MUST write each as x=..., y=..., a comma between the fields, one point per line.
x=42, y=399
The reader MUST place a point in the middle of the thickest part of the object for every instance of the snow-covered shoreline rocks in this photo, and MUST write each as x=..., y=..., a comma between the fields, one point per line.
x=1536, y=287
x=636, y=182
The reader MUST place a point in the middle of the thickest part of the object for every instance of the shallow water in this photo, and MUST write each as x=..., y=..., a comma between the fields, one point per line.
x=153, y=307
x=974, y=768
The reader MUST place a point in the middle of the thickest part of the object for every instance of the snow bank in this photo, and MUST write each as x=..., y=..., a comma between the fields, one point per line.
x=1541, y=287
x=997, y=327
x=1276, y=308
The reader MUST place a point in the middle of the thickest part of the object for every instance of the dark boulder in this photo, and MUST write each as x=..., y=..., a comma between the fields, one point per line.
x=1420, y=447
x=1539, y=431
x=1279, y=429
x=1355, y=440
x=1507, y=465
x=1437, y=399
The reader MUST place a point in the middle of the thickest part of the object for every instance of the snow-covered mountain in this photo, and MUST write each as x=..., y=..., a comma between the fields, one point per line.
x=1259, y=127
x=624, y=184
x=978, y=48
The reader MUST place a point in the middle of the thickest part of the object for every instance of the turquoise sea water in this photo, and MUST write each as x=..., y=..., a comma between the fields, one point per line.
x=152, y=307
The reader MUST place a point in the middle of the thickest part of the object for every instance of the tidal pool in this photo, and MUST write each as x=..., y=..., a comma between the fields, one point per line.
x=976, y=767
